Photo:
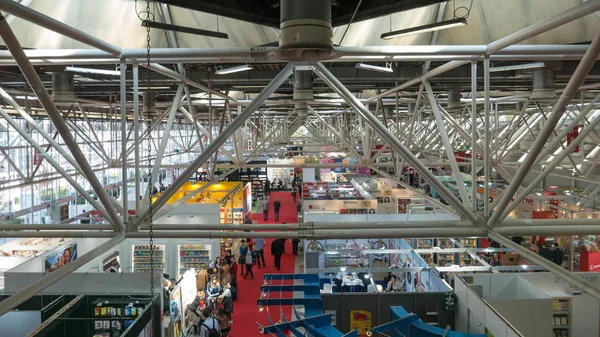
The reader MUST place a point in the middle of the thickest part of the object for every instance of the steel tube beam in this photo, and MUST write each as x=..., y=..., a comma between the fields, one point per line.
x=54, y=227
x=123, y=88
x=50, y=278
x=57, y=26
x=458, y=177
x=136, y=137
x=220, y=140
x=46, y=101
x=549, y=265
x=587, y=62
x=394, y=142
x=474, y=136
x=567, y=16
x=555, y=162
x=487, y=151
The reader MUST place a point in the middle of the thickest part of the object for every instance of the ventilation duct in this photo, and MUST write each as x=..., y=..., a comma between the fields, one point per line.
x=62, y=88
x=454, y=98
x=149, y=103
x=305, y=31
x=543, y=84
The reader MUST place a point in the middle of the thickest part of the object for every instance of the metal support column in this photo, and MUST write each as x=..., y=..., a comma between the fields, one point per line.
x=474, y=136
x=136, y=137
x=486, y=138
x=124, y=178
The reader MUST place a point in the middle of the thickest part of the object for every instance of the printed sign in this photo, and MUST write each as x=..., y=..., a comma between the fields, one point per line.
x=361, y=321
x=60, y=259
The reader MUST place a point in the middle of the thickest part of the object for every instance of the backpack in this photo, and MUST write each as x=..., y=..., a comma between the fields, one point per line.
x=212, y=332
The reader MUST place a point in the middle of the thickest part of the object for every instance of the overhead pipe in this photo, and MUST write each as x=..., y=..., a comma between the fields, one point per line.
x=584, y=67
x=537, y=259
x=55, y=227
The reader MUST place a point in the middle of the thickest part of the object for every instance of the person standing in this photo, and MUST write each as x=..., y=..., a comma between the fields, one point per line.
x=243, y=250
x=210, y=326
x=249, y=257
x=276, y=208
x=267, y=187
x=259, y=245
x=277, y=249
x=558, y=255
x=295, y=243
x=294, y=192
x=265, y=207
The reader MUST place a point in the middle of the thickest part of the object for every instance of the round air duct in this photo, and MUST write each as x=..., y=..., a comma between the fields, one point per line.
x=62, y=88
x=543, y=84
x=305, y=31
x=454, y=98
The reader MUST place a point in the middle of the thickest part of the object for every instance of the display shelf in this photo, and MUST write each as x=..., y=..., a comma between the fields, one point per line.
x=195, y=256
x=142, y=262
x=561, y=317
x=114, y=315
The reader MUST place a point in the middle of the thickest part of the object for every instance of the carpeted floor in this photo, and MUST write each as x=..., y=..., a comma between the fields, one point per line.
x=246, y=312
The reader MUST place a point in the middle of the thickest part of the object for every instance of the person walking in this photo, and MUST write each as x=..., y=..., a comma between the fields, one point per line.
x=265, y=207
x=295, y=243
x=277, y=249
x=249, y=257
x=276, y=208
x=243, y=250
x=259, y=245
x=267, y=187
x=294, y=192
x=558, y=255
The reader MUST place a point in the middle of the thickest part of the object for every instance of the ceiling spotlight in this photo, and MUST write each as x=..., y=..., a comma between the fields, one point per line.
x=365, y=66
x=425, y=28
x=226, y=71
x=182, y=29
x=93, y=71
x=518, y=67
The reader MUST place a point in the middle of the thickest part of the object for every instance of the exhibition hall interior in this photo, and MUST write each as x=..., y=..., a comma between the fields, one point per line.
x=322, y=168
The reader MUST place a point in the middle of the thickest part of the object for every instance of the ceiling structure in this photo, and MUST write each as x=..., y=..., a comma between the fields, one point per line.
x=433, y=105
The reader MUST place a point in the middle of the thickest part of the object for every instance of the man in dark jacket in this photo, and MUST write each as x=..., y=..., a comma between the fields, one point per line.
x=276, y=207
x=277, y=249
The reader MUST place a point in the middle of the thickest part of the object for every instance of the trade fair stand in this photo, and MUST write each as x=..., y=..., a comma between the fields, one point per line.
x=535, y=304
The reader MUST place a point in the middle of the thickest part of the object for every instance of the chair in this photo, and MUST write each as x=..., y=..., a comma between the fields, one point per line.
x=327, y=288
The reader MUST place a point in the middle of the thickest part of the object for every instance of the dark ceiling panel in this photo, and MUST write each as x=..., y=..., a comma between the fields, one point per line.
x=266, y=12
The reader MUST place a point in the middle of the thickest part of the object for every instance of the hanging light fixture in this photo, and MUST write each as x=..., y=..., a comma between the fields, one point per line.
x=182, y=29
x=519, y=66
x=387, y=69
x=225, y=71
x=458, y=22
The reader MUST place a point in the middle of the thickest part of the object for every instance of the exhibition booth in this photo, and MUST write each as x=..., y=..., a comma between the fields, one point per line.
x=535, y=304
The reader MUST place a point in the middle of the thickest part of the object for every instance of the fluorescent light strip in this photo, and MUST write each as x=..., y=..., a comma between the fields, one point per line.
x=93, y=71
x=519, y=67
x=233, y=70
x=425, y=28
x=182, y=29
x=374, y=68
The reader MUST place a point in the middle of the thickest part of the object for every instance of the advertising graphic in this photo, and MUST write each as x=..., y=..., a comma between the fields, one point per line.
x=361, y=321
x=60, y=259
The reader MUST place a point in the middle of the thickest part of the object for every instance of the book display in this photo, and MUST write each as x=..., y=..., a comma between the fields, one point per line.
x=256, y=177
x=465, y=258
x=111, y=263
x=29, y=247
x=561, y=317
x=113, y=315
x=346, y=254
x=445, y=258
x=426, y=244
x=141, y=258
x=193, y=256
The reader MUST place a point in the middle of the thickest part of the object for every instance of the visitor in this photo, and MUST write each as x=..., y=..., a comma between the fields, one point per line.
x=280, y=184
x=226, y=301
x=299, y=206
x=294, y=192
x=265, y=208
x=249, y=256
x=213, y=289
x=558, y=255
x=224, y=322
x=210, y=326
x=393, y=285
x=228, y=259
x=276, y=208
x=545, y=251
x=243, y=250
x=259, y=245
x=277, y=249
x=267, y=187
x=295, y=243
x=495, y=261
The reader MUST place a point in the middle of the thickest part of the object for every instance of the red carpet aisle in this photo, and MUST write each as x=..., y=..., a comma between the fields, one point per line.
x=246, y=312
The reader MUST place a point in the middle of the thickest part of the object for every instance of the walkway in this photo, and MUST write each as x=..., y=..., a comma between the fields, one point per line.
x=246, y=312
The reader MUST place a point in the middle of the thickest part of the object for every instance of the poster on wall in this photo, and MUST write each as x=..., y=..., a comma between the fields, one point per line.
x=60, y=259
x=247, y=199
x=403, y=205
x=361, y=321
x=112, y=263
x=176, y=313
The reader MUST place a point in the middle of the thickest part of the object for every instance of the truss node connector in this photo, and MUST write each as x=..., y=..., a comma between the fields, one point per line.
x=480, y=222
x=131, y=226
